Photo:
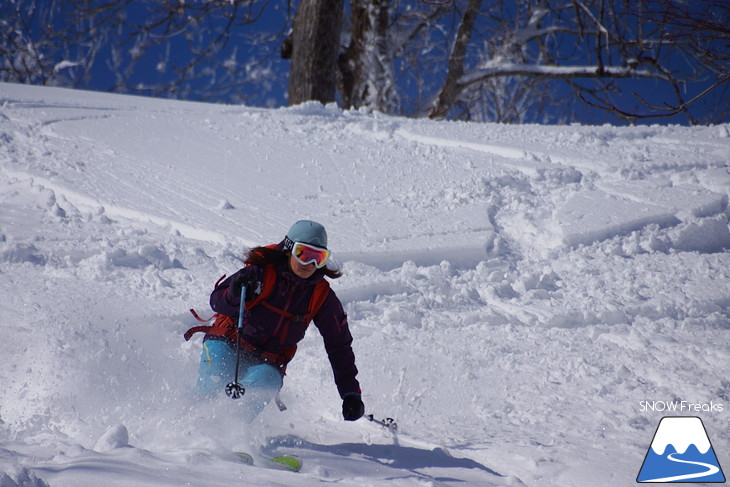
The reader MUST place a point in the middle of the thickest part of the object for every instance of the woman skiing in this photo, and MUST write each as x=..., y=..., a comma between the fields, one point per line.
x=285, y=289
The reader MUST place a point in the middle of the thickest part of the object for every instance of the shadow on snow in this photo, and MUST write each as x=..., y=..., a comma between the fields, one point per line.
x=391, y=456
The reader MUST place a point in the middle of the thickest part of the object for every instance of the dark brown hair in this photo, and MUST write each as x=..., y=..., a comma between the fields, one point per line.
x=261, y=256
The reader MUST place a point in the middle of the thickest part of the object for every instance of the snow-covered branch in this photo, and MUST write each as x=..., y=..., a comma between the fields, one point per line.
x=555, y=72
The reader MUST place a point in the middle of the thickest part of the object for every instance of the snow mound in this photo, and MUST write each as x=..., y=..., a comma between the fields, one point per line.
x=115, y=437
x=20, y=477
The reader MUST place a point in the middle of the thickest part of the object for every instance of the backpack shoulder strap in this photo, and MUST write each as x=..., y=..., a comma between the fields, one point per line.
x=319, y=295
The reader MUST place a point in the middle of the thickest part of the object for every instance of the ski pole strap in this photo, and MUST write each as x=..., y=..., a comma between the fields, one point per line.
x=387, y=422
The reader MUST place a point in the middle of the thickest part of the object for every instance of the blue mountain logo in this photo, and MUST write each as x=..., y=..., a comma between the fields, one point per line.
x=681, y=452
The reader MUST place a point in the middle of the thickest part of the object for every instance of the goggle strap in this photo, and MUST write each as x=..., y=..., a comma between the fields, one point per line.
x=288, y=243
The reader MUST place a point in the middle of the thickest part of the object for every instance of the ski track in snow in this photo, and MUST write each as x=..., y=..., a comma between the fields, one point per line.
x=711, y=470
x=514, y=291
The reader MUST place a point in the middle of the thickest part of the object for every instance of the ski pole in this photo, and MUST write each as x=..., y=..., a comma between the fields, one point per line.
x=234, y=390
x=387, y=422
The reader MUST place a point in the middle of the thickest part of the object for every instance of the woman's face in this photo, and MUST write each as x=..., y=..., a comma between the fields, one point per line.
x=300, y=270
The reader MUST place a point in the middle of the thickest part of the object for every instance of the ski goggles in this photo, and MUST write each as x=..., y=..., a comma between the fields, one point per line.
x=307, y=254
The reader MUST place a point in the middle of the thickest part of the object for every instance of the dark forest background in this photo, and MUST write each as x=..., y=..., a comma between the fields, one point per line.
x=507, y=61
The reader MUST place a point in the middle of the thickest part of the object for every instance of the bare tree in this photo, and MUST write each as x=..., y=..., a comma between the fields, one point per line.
x=574, y=40
x=315, y=48
x=204, y=50
x=36, y=49
x=452, y=87
x=366, y=64
x=700, y=32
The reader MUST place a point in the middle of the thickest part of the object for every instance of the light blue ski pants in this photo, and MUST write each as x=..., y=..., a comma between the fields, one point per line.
x=217, y=364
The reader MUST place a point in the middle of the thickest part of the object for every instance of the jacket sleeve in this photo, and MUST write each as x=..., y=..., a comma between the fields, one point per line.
x=222, y=301
x=332, y=324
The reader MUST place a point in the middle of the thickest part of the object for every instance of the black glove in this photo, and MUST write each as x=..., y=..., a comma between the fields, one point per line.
x=352, y=407
x=239, y=280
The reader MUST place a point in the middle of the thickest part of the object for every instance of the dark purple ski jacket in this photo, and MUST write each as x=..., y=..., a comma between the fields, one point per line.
x=272, y=332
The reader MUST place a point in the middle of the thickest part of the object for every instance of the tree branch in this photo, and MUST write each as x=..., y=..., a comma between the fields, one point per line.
x=555, y=72
x=663, y=112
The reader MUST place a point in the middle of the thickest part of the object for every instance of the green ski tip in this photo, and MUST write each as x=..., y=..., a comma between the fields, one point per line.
x=286, y=462
x=245, y=457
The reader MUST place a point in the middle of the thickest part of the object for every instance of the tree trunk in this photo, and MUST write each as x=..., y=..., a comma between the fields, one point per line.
x=315, y=46
x=365, y=77
x=451, y=88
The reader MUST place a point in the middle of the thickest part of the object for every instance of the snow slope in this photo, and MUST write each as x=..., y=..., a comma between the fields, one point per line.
x=516, y=293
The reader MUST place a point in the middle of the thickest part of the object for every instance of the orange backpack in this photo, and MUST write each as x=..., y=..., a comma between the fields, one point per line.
x=224, y=328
